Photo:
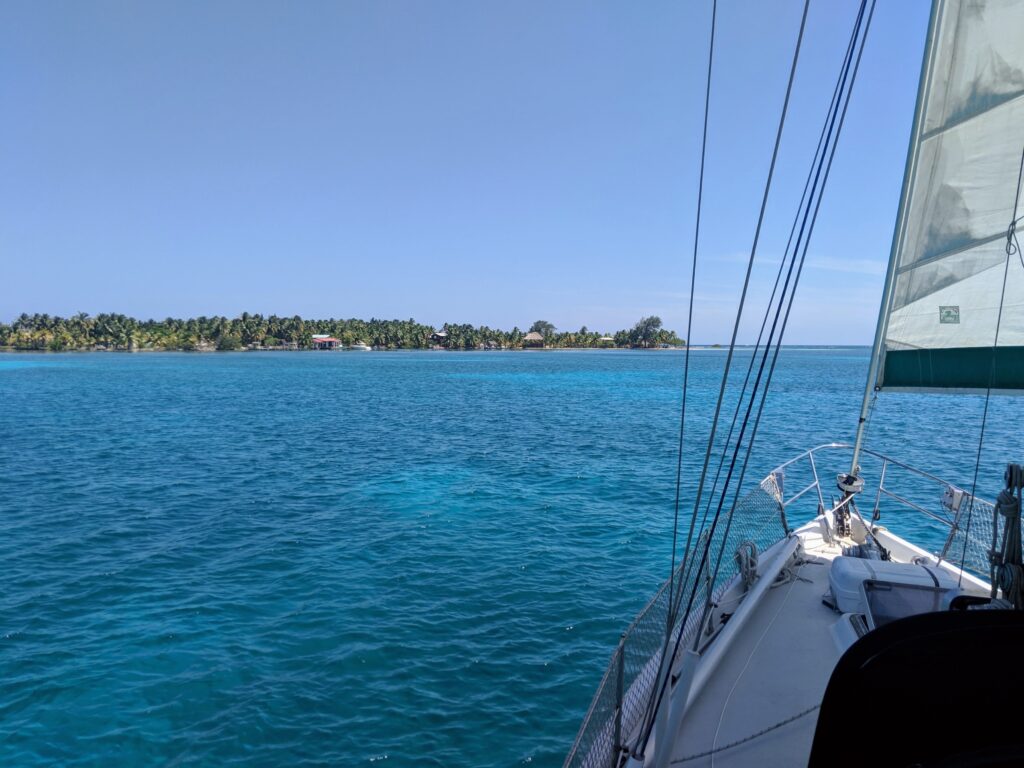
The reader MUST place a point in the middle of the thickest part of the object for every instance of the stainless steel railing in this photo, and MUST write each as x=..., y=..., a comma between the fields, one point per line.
x=964, y=521
x=964, y=534
x=618, y=708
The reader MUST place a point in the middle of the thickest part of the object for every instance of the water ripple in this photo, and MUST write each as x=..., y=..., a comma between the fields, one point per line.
x=396, y=559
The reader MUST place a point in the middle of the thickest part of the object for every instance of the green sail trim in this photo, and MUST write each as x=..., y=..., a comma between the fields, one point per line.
x=957, y=368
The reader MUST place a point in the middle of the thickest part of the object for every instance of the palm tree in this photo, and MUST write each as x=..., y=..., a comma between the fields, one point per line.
x=40, y=331
x=543, y=327
x=646, y=331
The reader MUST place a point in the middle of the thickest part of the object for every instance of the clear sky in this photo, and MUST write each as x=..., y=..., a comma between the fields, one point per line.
x=484, y=162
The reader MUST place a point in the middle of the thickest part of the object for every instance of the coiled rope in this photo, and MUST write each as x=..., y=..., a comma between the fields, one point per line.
x=1007, y=567
x=746, y=562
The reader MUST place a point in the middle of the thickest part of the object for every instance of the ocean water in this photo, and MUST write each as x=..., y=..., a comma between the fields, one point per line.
x=394, y=558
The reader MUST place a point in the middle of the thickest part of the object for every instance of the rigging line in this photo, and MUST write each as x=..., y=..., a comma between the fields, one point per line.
x=814, y=172
x=649, y=722
x=1011, y=237
x=652, y=707
x=802, y=240
x=706, y=549
x=830, y=121
x=689, y=334
x=778, y=277
x=803, y=257
x=684, y=572
x=778, y=345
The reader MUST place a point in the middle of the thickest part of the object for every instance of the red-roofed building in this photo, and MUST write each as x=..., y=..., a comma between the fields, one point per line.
x=320, y=341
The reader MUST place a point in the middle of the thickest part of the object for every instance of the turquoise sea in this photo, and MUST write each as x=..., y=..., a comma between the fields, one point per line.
x=353, y=558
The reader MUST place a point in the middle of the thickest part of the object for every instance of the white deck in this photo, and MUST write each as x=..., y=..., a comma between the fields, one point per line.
x=777, y=666
x=747, y=691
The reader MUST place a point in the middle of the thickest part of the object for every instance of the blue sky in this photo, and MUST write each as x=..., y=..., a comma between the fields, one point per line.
x=483, y=162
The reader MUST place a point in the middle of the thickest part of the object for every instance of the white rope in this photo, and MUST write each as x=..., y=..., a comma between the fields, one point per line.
x=746, y=562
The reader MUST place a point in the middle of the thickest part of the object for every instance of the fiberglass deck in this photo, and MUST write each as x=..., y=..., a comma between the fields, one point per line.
x=778, y=666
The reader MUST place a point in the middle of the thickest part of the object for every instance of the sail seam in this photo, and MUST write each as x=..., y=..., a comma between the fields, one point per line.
x=952, y=252
x=961, y=120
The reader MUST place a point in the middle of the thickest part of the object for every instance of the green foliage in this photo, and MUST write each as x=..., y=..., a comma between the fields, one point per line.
x=229, y=342
x=646, y=331
x=119, y=332
x=544, y=328
x=649, y=333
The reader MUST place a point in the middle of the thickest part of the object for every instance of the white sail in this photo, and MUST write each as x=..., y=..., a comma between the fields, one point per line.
x=949, y=249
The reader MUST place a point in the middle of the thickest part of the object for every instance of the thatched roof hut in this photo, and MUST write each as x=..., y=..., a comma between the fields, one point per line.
x=533, y=338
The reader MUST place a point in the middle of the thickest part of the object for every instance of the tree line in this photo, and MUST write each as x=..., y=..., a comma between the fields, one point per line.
x=250, y=331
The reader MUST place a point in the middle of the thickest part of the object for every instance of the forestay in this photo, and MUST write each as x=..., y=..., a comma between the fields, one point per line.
x=949, y=250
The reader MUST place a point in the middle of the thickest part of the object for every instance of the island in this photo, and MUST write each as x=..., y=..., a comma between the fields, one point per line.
x=255, y=332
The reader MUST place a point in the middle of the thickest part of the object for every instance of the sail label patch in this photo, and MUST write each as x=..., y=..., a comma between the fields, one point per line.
x=949, y=315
